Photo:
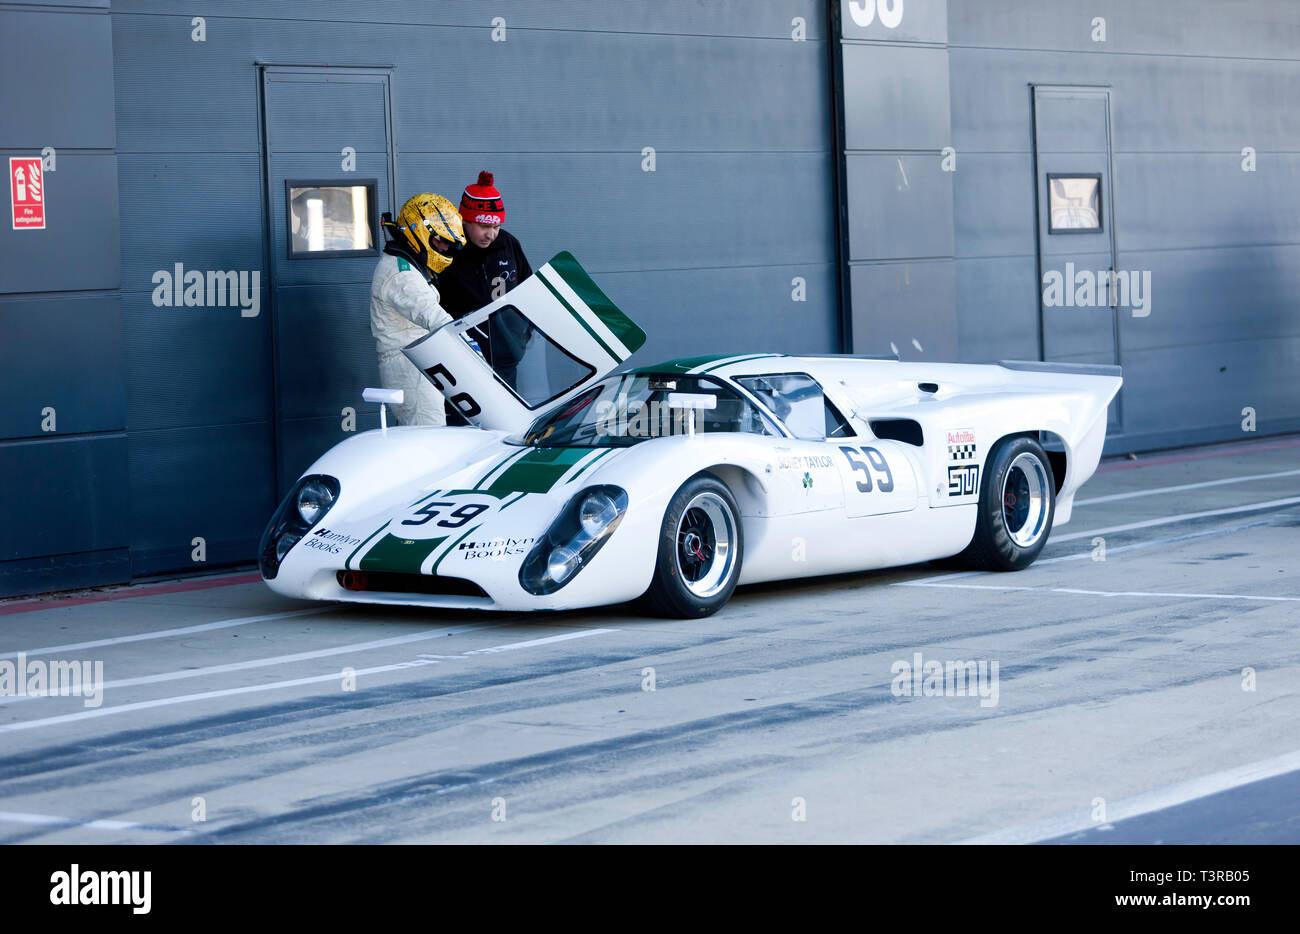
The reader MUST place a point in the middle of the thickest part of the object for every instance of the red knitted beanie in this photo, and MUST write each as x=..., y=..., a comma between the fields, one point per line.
x=481, y=203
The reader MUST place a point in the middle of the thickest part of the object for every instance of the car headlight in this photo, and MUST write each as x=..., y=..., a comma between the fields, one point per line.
x=578, y=532
x=306, y=504
x=314, y=500
x=597, y=510
x=562, y=562
x=284, y=543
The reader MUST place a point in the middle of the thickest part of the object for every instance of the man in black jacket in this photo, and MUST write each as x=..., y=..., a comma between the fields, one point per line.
x=491, y=264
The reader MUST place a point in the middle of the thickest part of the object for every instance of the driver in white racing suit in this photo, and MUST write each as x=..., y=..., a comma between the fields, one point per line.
x=404, y=300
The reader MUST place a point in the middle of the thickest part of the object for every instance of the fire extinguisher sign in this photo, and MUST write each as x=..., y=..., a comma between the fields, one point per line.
x=27, y=192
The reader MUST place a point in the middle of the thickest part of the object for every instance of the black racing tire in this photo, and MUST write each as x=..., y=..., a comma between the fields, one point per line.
x=1016, y=507
x=701, y=545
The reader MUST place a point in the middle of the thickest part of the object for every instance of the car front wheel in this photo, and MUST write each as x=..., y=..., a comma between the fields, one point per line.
x=700, y=548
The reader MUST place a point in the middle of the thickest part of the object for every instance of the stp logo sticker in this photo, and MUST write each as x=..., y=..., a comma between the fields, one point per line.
x=27, y=192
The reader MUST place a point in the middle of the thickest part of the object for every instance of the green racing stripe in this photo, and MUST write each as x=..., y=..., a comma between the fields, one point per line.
x=514, y=455
x=403, y=555
x=585, y=467
x=508, y=503
x=741, y=359
x=348, y=563
x=684, y=364
x=578, y=317
x=620, y=325
x=538, y=470
x=452, y=547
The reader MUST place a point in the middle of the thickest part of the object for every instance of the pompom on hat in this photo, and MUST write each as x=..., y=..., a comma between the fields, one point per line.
x=482, y=204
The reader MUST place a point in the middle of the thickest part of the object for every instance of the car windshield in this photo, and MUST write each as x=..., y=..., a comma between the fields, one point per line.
x=633, y=407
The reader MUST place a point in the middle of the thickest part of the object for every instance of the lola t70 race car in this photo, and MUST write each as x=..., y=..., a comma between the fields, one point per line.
x=587, y=481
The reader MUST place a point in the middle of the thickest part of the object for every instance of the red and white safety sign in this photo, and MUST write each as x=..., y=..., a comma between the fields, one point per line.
x=27, y=192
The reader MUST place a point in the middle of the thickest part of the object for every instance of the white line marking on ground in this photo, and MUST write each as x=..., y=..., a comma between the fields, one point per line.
x=1119, y=549
x=420, y=636
x=17, y=817
x=1183, y=486
x=1104, y=593
x=1088, y=554
x=1083, y=555
x=167, y=633
x=257, y=688
x=532, y=642
x=945, y=577
x=1185, y=517
x=1146, y=803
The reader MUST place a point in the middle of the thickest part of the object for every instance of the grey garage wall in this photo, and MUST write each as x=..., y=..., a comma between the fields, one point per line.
x=1192, y=84
x=702, y=251
x=63, y=504
x=898, y=198
x=761, y=115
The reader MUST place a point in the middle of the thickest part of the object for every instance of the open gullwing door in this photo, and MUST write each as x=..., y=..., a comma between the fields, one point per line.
x=552, y=336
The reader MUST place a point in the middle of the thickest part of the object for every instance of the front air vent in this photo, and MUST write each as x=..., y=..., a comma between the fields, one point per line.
x=392, y=582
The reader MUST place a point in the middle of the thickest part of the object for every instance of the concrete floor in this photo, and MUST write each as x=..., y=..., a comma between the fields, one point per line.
x=1120, y=714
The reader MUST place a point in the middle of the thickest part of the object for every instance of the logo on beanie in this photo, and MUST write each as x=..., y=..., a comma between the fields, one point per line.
x=481, y=203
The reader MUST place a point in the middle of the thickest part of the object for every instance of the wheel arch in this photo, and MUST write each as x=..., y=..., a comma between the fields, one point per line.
x=1053, y=446
x=667, y=593
x=743, y=483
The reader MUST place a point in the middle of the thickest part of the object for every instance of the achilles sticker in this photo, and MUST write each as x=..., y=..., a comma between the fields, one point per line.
x=961, y=445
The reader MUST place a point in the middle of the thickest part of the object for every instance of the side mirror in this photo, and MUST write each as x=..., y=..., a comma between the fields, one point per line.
x=384, y=397
x=691, y=401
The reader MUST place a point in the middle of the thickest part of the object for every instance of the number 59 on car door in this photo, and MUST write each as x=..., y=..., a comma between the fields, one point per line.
x=878, y=477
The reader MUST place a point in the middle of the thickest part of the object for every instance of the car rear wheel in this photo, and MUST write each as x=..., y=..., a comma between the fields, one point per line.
x=700, y=548
x=1016, y=506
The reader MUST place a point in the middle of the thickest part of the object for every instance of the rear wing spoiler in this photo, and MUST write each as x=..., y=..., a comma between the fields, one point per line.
x=1072, y=369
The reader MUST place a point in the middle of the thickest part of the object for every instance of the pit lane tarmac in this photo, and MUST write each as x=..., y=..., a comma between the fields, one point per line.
x=1147, y=690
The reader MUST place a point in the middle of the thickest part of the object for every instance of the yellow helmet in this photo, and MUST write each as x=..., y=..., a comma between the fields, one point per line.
x=427, y=218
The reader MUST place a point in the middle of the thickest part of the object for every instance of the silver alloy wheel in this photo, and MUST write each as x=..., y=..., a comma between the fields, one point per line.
x=1024, y=500
x=705, y=552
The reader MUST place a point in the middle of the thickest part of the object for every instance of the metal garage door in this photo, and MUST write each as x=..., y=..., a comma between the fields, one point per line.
x=329, y=174
x=1076, y=227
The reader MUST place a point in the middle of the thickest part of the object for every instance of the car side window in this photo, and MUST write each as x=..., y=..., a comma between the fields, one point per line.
x=799, y=401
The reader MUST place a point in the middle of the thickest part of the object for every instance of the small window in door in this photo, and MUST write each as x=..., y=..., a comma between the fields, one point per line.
x=798, y=400
x=1073, y=204
x=330, y=218
x=536, y=368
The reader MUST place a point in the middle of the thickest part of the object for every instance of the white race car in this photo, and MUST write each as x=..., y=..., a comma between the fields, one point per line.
x=673, y=483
